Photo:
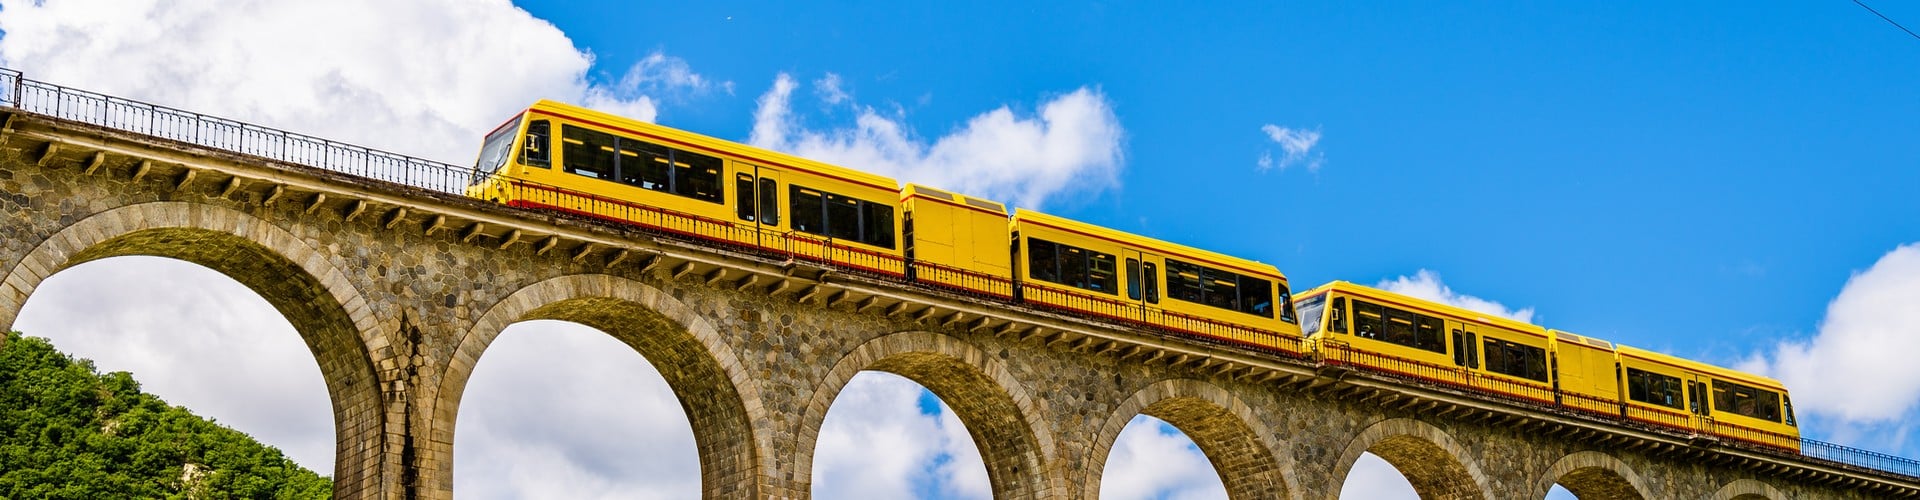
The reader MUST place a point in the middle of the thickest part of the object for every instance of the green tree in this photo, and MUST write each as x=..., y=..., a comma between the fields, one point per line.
x=69, y=432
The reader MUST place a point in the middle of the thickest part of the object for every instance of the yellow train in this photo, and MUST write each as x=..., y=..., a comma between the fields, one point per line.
x=1372, y=329
x=558, y=157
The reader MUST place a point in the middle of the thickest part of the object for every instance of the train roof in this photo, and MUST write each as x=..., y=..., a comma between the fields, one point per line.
x=1166, y=248
x=1715, y=371
x=711, y=144
x=1594, y=342
x=973, y=202
x=1433, y=306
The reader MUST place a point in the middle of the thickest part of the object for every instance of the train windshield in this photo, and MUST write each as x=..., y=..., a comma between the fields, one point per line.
x=493, y=154
x=1310, y=313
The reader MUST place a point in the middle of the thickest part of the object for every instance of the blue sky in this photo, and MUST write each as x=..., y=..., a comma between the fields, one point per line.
x=1733, y=182
x=1691, y=177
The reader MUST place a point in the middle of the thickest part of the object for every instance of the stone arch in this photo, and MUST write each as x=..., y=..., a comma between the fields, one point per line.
x=1592, y=475
x=1239, y=445
x=1004, y=420
x=720, y=399
x=1748, y=489
x=333, y=317
x=1436, y=465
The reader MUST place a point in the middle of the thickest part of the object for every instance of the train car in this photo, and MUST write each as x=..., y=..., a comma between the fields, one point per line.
x=1584, y=369
x=1676, y=392
x=560, y=157
x=1093, y=270
x=1373, y=329
x=957, y=241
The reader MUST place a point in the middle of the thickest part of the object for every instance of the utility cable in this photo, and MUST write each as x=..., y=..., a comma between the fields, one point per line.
x=1889, y=20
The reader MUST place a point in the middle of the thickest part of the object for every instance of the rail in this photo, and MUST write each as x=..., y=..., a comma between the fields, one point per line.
x=19, y=92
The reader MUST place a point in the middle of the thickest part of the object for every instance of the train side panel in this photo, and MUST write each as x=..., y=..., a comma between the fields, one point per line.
x=589, y=163
x=958, y=241
x=1585, y=367
x=1077, y=266
x=1379, y=330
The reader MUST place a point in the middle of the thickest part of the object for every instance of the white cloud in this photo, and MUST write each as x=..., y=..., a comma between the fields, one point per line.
x=828, y=88
x=877, y=442
x=1072, y=144
x=195, y=338
x=1296, y=148
x=560, y=410
x=1426, y=284
x=1372, y=478
x=427, y=78
x=1152, y=460
x=1870, y=332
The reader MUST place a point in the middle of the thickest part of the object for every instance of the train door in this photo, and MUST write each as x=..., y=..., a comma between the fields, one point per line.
x=1698, y=402
x=1466, y=351
x=1466, y=346
x=1143, y=284
x=757, y=194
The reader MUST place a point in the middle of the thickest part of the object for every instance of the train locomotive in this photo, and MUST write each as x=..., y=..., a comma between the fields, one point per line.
x=558, y=157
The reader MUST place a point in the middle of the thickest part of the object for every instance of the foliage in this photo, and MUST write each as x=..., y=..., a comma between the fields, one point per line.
x=68, y=432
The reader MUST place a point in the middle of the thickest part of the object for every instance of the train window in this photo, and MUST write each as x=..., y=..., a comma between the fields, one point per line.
x=644, y=164
x=1788, y=412
x=769, y=202
x=1152, y=275
x=1337, y=318
x=1310, y=317
x=743, y=196
x=1101, y=273
x=1286, y=304
x=1213, y=287
x=1399, y=327
x=1256, y=297
x=1411, y=329
x=1653, y=388
x=587, y=152
x=1427, y=333
x=1516, y=359
x=843, y=217
x=1367, y=319
x=836, y=216
x=1217, y=290
x=493, y=153
x=1133, y=279
x=537, y=150
x=878, y=221
x=808, y=215
x=1183, y=281
x=1042, y=260
x=1071, y=266
x=1746, y=400
x=1769, y=406
x=696, y=176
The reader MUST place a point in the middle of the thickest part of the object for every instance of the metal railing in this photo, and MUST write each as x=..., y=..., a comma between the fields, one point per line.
x=1862, y=458
x=223, y=134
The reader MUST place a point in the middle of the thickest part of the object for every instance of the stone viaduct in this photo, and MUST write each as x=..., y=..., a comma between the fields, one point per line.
x=399, y=291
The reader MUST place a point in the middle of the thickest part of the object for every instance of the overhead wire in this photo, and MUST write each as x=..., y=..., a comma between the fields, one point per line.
x=1888, y=19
